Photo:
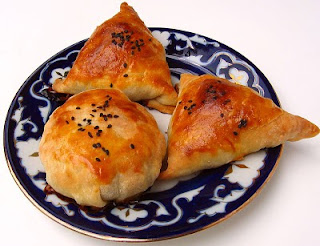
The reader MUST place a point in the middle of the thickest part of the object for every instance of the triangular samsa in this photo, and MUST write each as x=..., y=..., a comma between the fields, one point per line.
x=216, y=122
x=122, y=54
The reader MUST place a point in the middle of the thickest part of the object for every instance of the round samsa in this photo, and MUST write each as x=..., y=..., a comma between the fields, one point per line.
x=99, y=147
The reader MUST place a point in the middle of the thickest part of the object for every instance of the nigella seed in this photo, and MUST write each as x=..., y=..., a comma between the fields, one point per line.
x=94, y=110
x=93, y=105
x=132, y=52
x=189, y=112
x=77, y=107
x=81, y=129
x=96, y=127
x=105, y=118
x=180, y=102
x=190, y=101
x=92, y=115
x=84, y=119
x=67, y=122
x=185, y=107
x=98, y=145
x=132, y=146
x=125, y=75
x=79, y=124
x=109, y=126
x=116, y=116
x=90, y=135
x=111, y=85
x=133, y=47
x=221, y=115
x=109, y=115
x=235, y=133
x=125, y=65
x=72, y=118
x=98, y=159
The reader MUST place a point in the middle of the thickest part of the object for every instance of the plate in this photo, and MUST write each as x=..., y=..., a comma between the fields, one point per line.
x=169, y=208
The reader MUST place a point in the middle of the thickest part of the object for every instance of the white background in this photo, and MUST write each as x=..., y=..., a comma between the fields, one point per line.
x=282, y=38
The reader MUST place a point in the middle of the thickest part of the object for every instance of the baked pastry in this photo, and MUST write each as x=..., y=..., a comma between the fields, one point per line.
x=216, y=122
x=99, y=147
x=123, y=54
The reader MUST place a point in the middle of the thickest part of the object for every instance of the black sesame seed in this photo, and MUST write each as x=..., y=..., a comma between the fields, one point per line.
x=133, y=47
x=109, y=115
x=84, y=119
x=125, y=75
x=79, y=124
x=72, y=118
x=97, y=159
x=81, y=129
x=132, y=52
x=94, y=110
x=105, y=150
x=105, y=118
x=189, y=112
x=185, y=107
x=149, y=39
x=96, y=127
x=243, y=123
x=180, y=102
x=223, y=93
x=214, y=98
x=235, y=133
x=90, y=135
x=98, y=134
x=92, y=115
x=111, y=85
x=116, y=116
x=109, y=126
x=226, y=101
x=132, y=146
x=99, y=130
x=125, y=31
x=77, y=107
x=221, y=115
x=125, y=65
x=93, y=105
x=98, y=145
x=67, y=122
x=190, y=101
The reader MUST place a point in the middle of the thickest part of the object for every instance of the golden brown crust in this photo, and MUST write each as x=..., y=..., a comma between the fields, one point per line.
x=99, y=144
x=122, y=54
x=217, y=121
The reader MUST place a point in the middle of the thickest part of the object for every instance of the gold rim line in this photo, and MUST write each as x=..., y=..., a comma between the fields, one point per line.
x=136, y=240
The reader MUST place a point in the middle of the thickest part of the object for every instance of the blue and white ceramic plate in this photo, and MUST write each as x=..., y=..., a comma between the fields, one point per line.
x=169, y=209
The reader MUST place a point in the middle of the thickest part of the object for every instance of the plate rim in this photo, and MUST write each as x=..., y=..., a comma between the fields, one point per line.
x=118, y=238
